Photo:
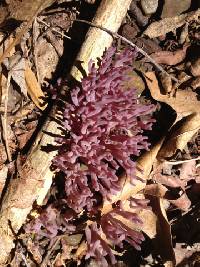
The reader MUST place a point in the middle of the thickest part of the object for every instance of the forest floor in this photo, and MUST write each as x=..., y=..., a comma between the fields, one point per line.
x=40, y=41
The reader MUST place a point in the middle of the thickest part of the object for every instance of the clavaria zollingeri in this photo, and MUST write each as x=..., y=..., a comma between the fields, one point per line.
x=103, y=124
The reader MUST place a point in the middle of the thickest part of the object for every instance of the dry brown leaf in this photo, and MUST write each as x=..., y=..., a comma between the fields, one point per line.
x=182, y=202
x=195, y=83
x=145, y=164
x=160, y=191
x=179, y=137
x=33, y=88
x=184, y=102
x=170, y=58
x=16, y=66
x=183, y=254
x=3, y=14
x=149, y=220
x=147, y=216
x=24, y=9
x=146, y=161
x=168, y=180
x=188, y=170
x=6, y=44
x=25, y=26
x=47, y=59
x=157, y=190
x=166, y=25
x=163, y=241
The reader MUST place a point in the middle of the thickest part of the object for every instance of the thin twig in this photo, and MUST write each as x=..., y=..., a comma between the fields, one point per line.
x=140, y=50
x=35, y=50
x=53, y=29
x=181, y=161
x=4, y=119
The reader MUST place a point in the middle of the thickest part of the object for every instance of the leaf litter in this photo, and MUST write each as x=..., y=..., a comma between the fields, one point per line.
x=169, y=171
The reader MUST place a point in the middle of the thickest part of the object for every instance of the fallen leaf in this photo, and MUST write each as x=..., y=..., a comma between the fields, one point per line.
x=47, y=59
x=182, y=202
x=6, y=44
x=183, y=254
x=34, y=89
x=81, y=251
x=168, y=180
x=163, y=241
x=16, y=66
x=25, y=26
x=129, y=189
x=170, y=58
x=24, y=9
x=157, y=190
x=147, y=216
x=188, y=170
x=180, y=135
x=3, y=14
x=149, y=220
x=173, y=8
x=146, y=161
x=195, y=83
x=160, y=191
x=166, y=82
x=179, y=102
x=166, y=25
x=34, y=250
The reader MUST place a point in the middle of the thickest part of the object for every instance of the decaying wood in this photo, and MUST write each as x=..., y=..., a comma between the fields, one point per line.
x=109, y=16
x=35, y=176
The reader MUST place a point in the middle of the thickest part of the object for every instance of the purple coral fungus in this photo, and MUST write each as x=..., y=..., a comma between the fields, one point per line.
x=105, y=124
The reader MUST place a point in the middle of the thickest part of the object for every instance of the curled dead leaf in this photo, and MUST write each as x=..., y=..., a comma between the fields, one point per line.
x=24, y=10
x=34, y=89
x=157, y=190
x=180, y=136
x=168, y=180
x=170, y=58
x=166, y=25
x=129, y=189
x=184, y=102
x=182, y=202
x=160, y=191
x=163, y=241
x=147, y=216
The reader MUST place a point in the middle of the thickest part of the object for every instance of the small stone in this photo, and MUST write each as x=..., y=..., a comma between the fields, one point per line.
x=172, y=8
x=149, y=6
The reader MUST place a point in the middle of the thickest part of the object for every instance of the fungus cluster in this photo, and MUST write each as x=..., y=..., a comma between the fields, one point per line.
x=103, y=126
